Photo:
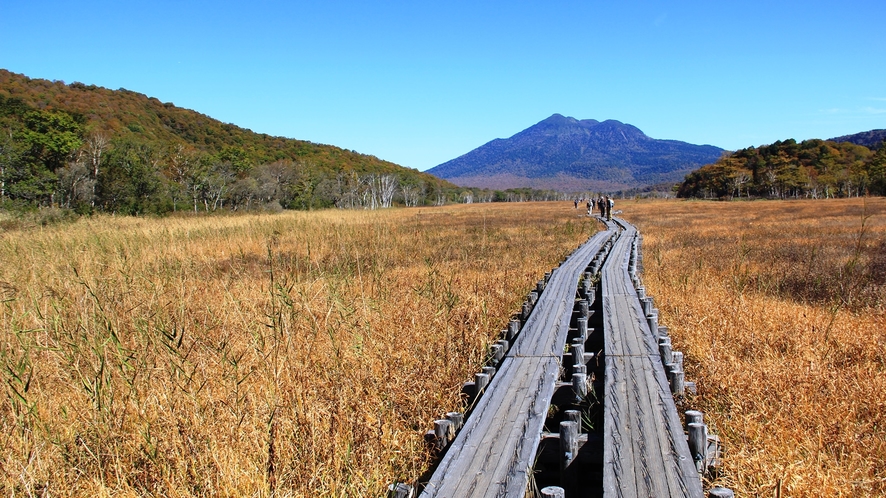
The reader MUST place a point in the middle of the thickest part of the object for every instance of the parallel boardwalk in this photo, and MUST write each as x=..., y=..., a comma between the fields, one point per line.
x=494, y=453
x=645, y=449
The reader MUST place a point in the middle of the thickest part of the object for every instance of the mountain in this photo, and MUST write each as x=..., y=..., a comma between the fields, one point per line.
x=568, y=154
x=871, y=139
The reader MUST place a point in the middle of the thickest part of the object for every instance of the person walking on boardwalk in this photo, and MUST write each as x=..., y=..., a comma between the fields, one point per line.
x=609, y=205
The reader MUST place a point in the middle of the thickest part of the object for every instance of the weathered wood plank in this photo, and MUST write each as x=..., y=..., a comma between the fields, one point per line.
x=494, y=452
x=645, y=450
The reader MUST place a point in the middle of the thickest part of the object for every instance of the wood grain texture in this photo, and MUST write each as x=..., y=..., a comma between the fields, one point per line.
x=494, y=452
x=645, y=449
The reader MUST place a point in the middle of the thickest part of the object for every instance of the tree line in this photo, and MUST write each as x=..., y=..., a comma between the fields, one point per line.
x=50, y=157
x=787, y=169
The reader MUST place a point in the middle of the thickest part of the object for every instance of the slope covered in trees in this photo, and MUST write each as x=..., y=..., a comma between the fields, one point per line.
x=812, y=168
x=87, y=147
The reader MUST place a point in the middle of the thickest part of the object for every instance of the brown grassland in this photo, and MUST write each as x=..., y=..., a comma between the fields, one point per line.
x=306, y=353
x=298, y=353
x=779, y=308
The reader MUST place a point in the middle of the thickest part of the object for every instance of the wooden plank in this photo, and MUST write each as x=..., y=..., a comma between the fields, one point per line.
x=493, y=454
x=645, y=450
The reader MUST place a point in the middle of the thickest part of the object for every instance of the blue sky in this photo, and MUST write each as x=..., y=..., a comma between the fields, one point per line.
x=419, y=83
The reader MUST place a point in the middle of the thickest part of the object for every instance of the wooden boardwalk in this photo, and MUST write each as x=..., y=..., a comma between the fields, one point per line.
x=645, y=449
x=494, y=453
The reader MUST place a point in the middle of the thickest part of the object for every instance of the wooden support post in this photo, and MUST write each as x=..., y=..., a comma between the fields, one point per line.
x=568, y=452
x=553, y=492
x=527, y=309
x=693, y=417
x=580, y=385
x=676, y=377
x=662, y=331
x=583, y=329
x=540, y=287
x=505, y=346
x=641, y=292
x=718, y=492
x=678, y=360
x=698, y=445
x=443, y=432
x=646, y=303
x=573, y=416
x=490, y=371
x=481, y=380
x=664, y=347
x=533, y=298
x=495, y=354
x=400, y=490
x=513, y=329
x=578, y=353
x=583, y=308
x=652, y=321
x=457, y=419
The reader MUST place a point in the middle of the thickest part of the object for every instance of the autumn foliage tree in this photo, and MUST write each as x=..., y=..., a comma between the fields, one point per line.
x=811, y=169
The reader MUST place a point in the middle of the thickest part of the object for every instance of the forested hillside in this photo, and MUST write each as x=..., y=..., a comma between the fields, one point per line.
x=812, y=168
x=91, y=148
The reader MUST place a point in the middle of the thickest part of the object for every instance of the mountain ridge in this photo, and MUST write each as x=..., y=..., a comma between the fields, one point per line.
x=562, y=151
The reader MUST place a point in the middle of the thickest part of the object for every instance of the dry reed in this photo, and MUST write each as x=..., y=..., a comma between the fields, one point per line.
x=779, y=307
x=288, y=355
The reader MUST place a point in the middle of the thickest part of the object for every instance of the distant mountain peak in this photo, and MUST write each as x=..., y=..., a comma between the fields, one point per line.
x=565, y=153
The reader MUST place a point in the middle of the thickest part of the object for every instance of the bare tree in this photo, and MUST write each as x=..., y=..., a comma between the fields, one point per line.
x=387, y=187
x=75, y=184
x=96, y=144
x=411, y=193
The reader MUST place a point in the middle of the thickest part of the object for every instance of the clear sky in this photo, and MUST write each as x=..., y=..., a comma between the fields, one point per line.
x=420, y=82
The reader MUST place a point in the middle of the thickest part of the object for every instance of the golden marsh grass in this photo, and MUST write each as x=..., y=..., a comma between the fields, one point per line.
x=779, y=307
x=306, y=353
x=293, y=354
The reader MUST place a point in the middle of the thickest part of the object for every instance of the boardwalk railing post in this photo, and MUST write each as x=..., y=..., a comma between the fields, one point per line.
x=677, y=379
x=580, y=385
x=400, y=490
x=513, y=329
x=718, y=492
x=495, y=353
x=693, y=417
x=568, y=452
x=652, y=321
x=573, y=416
x=583, y=308
x=457, y=419
x=664, y=347
x=698, y=445
x=553, y=492
x=443, y=432
x=578, y=353
x=481, y=380
x=583, y=329
x=505, y=345
x=678, y=360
